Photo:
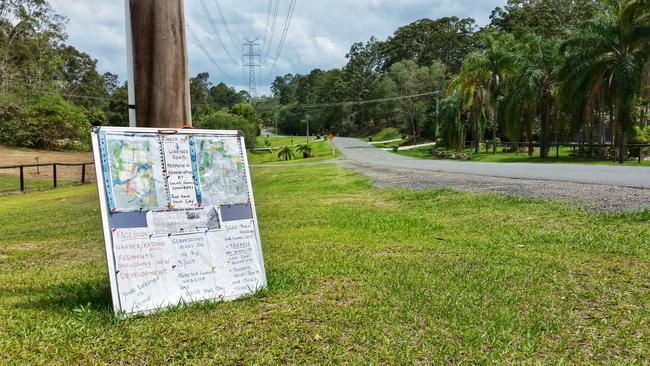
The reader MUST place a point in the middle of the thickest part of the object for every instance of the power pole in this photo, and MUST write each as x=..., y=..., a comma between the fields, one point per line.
x=158, y=50
x=252, y=59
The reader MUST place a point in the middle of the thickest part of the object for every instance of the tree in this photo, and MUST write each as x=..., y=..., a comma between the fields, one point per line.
x=48, y=122
x=609, y=59
x=480, y=78
x=208, y=118
x=451, y=124
x=406, y=78
x=222, y=96
x=548, y=18
x=286, y=153
x=531, y=90
x=305, y=150
x=117, y=108
x=200, y=91
x=446, y=39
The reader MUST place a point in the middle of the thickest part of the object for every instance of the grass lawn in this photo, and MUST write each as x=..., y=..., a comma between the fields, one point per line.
x=10, y=183
x=386, y=134
x=356, y=274
x=321, y=150
x=282, y=140
x=502, y=157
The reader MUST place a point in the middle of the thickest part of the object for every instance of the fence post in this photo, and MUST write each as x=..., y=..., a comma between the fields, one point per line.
x=83, y=173
x=22, y=179
x=516, y=149
x=54, y=174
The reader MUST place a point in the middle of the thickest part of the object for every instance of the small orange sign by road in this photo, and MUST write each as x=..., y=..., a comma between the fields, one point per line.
x=330, y=137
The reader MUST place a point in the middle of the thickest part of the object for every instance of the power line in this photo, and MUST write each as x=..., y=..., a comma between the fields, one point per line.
x=287, y=23
x=216, y=31
x=268, y=21
x=225, y=25
x=352, y=102
x=270, y=40
x=205, y=50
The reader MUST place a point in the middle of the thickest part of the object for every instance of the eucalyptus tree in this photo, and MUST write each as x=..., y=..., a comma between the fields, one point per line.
x=610, y=59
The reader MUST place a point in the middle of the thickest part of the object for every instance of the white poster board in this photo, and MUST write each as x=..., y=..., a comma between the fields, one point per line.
x=178, y=215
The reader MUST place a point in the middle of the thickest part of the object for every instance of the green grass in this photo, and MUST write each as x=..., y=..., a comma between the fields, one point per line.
x=511, y=157
x=322, y=150
x=10, y=183
x=386, y=134
x=356, y=275
x=282, y=141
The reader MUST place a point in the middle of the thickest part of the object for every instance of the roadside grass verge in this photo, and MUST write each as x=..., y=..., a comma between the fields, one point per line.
x=511, y=157
x=386, y=134
x=321, y=150
x=356, y=274
x=282, y=140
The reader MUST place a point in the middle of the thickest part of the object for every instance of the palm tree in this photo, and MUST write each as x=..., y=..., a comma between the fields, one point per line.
x=531, y=91
x=480, y=78
x=470, y=83
x=609, y=59
x=305, y=150
x=286, y=153
x=450, y=121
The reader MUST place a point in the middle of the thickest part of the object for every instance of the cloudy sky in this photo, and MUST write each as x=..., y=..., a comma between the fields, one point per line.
x=320, y=33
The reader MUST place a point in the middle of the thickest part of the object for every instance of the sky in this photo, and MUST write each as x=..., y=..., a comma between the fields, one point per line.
x=319, y=34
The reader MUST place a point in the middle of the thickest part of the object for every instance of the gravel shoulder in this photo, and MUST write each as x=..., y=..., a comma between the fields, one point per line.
x=593, y=197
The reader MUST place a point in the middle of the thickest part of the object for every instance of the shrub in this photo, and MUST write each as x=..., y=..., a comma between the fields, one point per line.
x=224, y=120
x=48, y=122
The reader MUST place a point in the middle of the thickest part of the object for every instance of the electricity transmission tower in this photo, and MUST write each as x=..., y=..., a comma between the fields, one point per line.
x=252, y=59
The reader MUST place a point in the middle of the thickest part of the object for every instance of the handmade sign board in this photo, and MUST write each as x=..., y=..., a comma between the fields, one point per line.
x=178, y=215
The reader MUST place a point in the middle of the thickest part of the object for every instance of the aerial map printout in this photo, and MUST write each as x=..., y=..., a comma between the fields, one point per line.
x=179, y=217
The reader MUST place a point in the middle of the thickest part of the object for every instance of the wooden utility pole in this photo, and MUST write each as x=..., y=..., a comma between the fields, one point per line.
x=160, y=71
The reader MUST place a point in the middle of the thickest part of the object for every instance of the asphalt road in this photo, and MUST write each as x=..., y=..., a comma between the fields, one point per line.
x=634, y=177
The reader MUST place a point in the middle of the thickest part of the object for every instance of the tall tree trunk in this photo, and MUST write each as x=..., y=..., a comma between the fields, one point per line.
x=529, y=132
x=477, y=136
x=543, y=132
x=493, y=117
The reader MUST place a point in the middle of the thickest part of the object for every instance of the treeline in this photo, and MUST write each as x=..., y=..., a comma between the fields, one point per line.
x=542, y=71
x=50, y=92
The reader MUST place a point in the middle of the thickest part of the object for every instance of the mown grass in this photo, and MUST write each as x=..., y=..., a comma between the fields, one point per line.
x=10, y=183
x=511, y=157
x=321, y=150
x=386, y=134
x=282, y=141
x=356, y=274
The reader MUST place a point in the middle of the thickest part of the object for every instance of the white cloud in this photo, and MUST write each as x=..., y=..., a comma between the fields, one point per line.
x=321, y=32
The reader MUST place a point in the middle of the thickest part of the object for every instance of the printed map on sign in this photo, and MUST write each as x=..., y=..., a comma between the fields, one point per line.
x=136, y=176
x=222, y=172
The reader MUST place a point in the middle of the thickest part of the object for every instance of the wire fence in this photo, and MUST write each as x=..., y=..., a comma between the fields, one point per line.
x=581, y=150
x=38, y=177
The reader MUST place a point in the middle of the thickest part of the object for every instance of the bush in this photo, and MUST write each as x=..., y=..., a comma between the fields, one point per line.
x=46, y=123
x=223, y=120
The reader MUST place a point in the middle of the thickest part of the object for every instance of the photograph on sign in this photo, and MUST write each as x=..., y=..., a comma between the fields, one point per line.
x=179, y=217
